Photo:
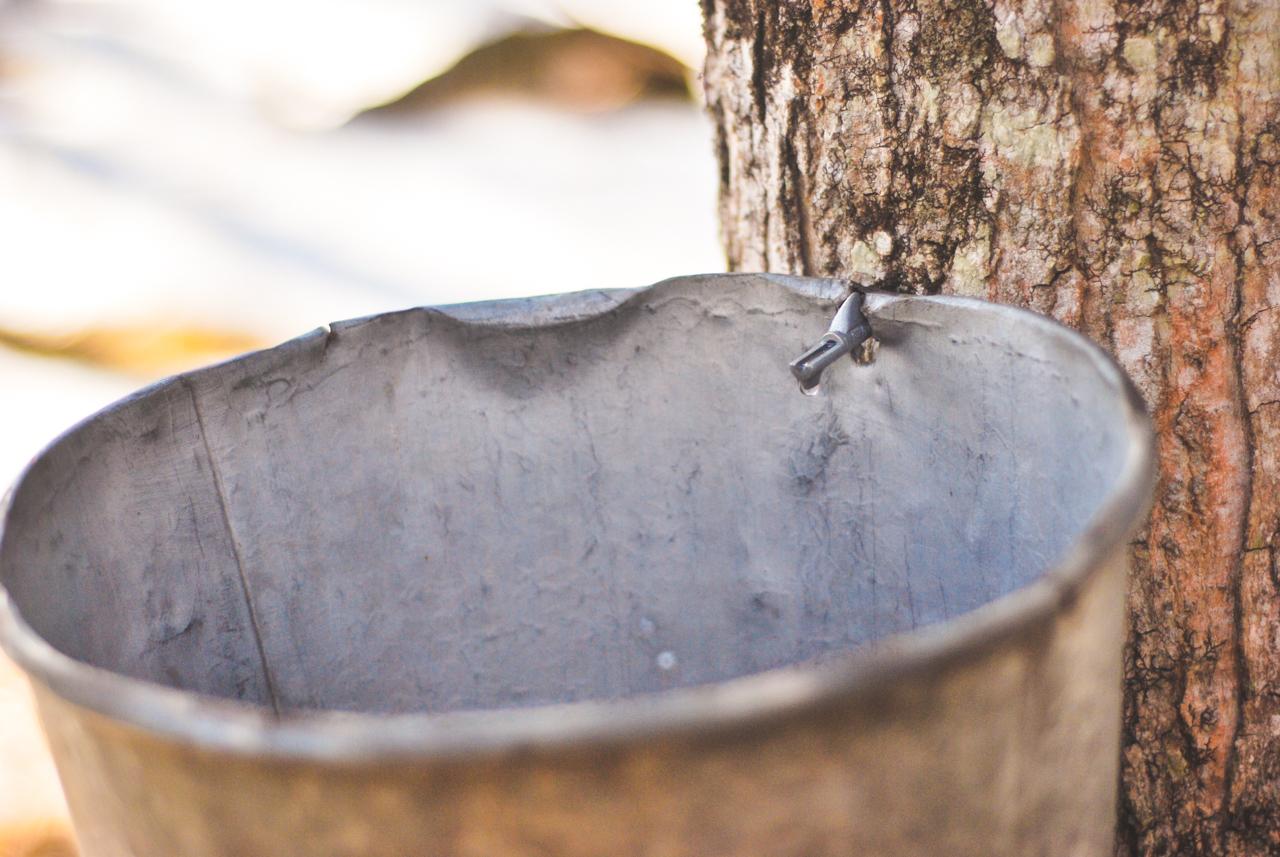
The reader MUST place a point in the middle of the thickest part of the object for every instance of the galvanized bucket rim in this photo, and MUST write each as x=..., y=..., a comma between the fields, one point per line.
x=751, y=701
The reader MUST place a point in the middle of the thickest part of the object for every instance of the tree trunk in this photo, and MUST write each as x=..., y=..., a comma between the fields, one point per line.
x=1113, y=164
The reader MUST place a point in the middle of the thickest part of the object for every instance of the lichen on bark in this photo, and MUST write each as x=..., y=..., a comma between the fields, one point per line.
x=1117, y=166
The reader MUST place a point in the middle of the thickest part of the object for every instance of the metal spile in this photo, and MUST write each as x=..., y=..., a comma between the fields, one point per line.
x=848, y=330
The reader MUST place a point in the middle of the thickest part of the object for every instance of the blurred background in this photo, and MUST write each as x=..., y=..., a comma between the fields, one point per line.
x=186, y=179
x=183, y=180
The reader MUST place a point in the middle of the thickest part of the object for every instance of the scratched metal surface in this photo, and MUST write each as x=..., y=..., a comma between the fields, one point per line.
x=443, y=521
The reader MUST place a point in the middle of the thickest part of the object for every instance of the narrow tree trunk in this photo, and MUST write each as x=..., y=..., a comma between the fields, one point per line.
x=1113, y=164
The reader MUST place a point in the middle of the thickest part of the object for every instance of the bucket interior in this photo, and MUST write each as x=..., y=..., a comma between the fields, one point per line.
x=421, y=512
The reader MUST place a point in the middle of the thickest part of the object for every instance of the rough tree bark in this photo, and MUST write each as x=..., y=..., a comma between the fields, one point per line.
x=1113, y=163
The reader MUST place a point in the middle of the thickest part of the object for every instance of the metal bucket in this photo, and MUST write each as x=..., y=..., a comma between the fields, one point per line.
x=587, y=575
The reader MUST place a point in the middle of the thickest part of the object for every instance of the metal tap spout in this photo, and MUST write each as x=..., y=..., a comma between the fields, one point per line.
x=848, y=330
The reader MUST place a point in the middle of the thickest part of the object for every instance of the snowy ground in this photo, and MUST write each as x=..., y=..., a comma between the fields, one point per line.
x=164, y=164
